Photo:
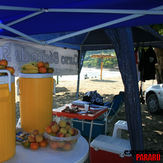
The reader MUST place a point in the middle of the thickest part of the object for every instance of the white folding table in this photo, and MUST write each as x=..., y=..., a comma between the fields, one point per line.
x=78, y=154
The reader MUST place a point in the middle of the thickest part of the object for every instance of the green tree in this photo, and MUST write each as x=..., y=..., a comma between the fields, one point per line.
x=158, y=28
x=95, y=62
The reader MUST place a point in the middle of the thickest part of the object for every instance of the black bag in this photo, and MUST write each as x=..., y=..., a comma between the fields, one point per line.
x=93, y=97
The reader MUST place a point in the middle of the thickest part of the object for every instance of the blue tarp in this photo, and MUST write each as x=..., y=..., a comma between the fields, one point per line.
x=98, y=40
x=58, y=24
x=54, y=22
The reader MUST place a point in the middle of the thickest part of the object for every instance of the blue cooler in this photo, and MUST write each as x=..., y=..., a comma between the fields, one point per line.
x=84, y=127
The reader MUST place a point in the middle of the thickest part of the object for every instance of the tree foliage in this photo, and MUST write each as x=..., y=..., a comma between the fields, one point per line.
x=96, y=62
x=158, y=28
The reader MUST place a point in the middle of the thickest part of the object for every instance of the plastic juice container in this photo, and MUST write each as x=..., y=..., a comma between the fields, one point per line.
x=36, y=101
x=7, y=117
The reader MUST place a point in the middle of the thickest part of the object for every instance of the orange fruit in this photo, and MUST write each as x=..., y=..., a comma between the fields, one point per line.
x=11, y=69
x=34, y=146
x=48, y=130
x=3, y=62
x=42, y=70
x=40, y=64
x=67, y=147
x=43, y=144
x=53, y=145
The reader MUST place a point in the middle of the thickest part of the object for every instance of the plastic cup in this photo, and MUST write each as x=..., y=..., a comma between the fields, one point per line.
x=86, y=107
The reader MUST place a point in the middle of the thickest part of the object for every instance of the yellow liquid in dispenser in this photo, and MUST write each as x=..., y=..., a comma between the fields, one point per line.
x=36, y=101
x=7, y=122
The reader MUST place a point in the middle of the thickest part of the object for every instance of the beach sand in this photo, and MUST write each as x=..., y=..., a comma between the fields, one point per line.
x=108, y=87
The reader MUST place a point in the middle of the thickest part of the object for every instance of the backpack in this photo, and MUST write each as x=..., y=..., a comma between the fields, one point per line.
x=93, y=97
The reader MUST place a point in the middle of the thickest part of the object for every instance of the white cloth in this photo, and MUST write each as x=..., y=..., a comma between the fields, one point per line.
x=78, y=155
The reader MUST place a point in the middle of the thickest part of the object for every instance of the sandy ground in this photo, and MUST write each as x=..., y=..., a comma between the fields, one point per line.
x=108, y=87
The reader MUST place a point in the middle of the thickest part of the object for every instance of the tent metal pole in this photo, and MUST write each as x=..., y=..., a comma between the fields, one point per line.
x=15, y=39
x=73, y=46
x=104, y=11
x=18, y=8
x=19, y=33
x=107, y=11
x=78, y=84
x=57, y=79
x=152, y=31
x=85, y=38
x=78, y=80
x=25, y=18
x=116, y=21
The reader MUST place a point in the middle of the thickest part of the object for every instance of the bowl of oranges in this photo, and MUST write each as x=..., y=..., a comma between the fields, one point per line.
x=61, y=136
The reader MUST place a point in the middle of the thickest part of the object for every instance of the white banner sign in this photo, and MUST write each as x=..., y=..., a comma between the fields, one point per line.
x=64, y=61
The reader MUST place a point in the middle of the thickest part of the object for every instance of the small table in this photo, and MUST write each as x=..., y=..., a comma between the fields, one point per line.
x=58, y=112
x=78, y=154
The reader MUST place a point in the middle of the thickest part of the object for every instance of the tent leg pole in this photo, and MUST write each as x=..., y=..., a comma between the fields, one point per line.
x=123, y=43
x=78, y=83
x=81, y=55
x=57, y=79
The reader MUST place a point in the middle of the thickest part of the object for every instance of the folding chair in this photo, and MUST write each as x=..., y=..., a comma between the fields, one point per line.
x=115, y=106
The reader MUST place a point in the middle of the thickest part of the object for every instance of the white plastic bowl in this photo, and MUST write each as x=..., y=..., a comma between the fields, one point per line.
x=62, y=143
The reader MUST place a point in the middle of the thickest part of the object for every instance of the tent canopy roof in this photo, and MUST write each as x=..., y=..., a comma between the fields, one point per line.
x=78, y=18
x=25, y=18
x=98, y=40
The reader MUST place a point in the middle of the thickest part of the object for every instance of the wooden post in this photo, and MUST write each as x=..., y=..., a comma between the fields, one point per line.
x=102, y=56
x=101, y=68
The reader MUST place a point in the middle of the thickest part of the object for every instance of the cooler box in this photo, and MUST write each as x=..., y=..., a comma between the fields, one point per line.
x=84, y=127
x=107, y=149
x=7, y=117
x=36, y=101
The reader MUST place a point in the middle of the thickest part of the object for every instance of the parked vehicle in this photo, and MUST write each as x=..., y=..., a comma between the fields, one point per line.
x=154, y=98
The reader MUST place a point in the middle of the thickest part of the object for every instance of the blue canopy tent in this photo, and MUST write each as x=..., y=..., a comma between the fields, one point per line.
x=98, y=39
x=76, y=17
x=70, y=18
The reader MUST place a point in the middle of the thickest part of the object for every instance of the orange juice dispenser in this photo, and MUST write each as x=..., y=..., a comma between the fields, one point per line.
x=36, y=101
x=7, y=116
